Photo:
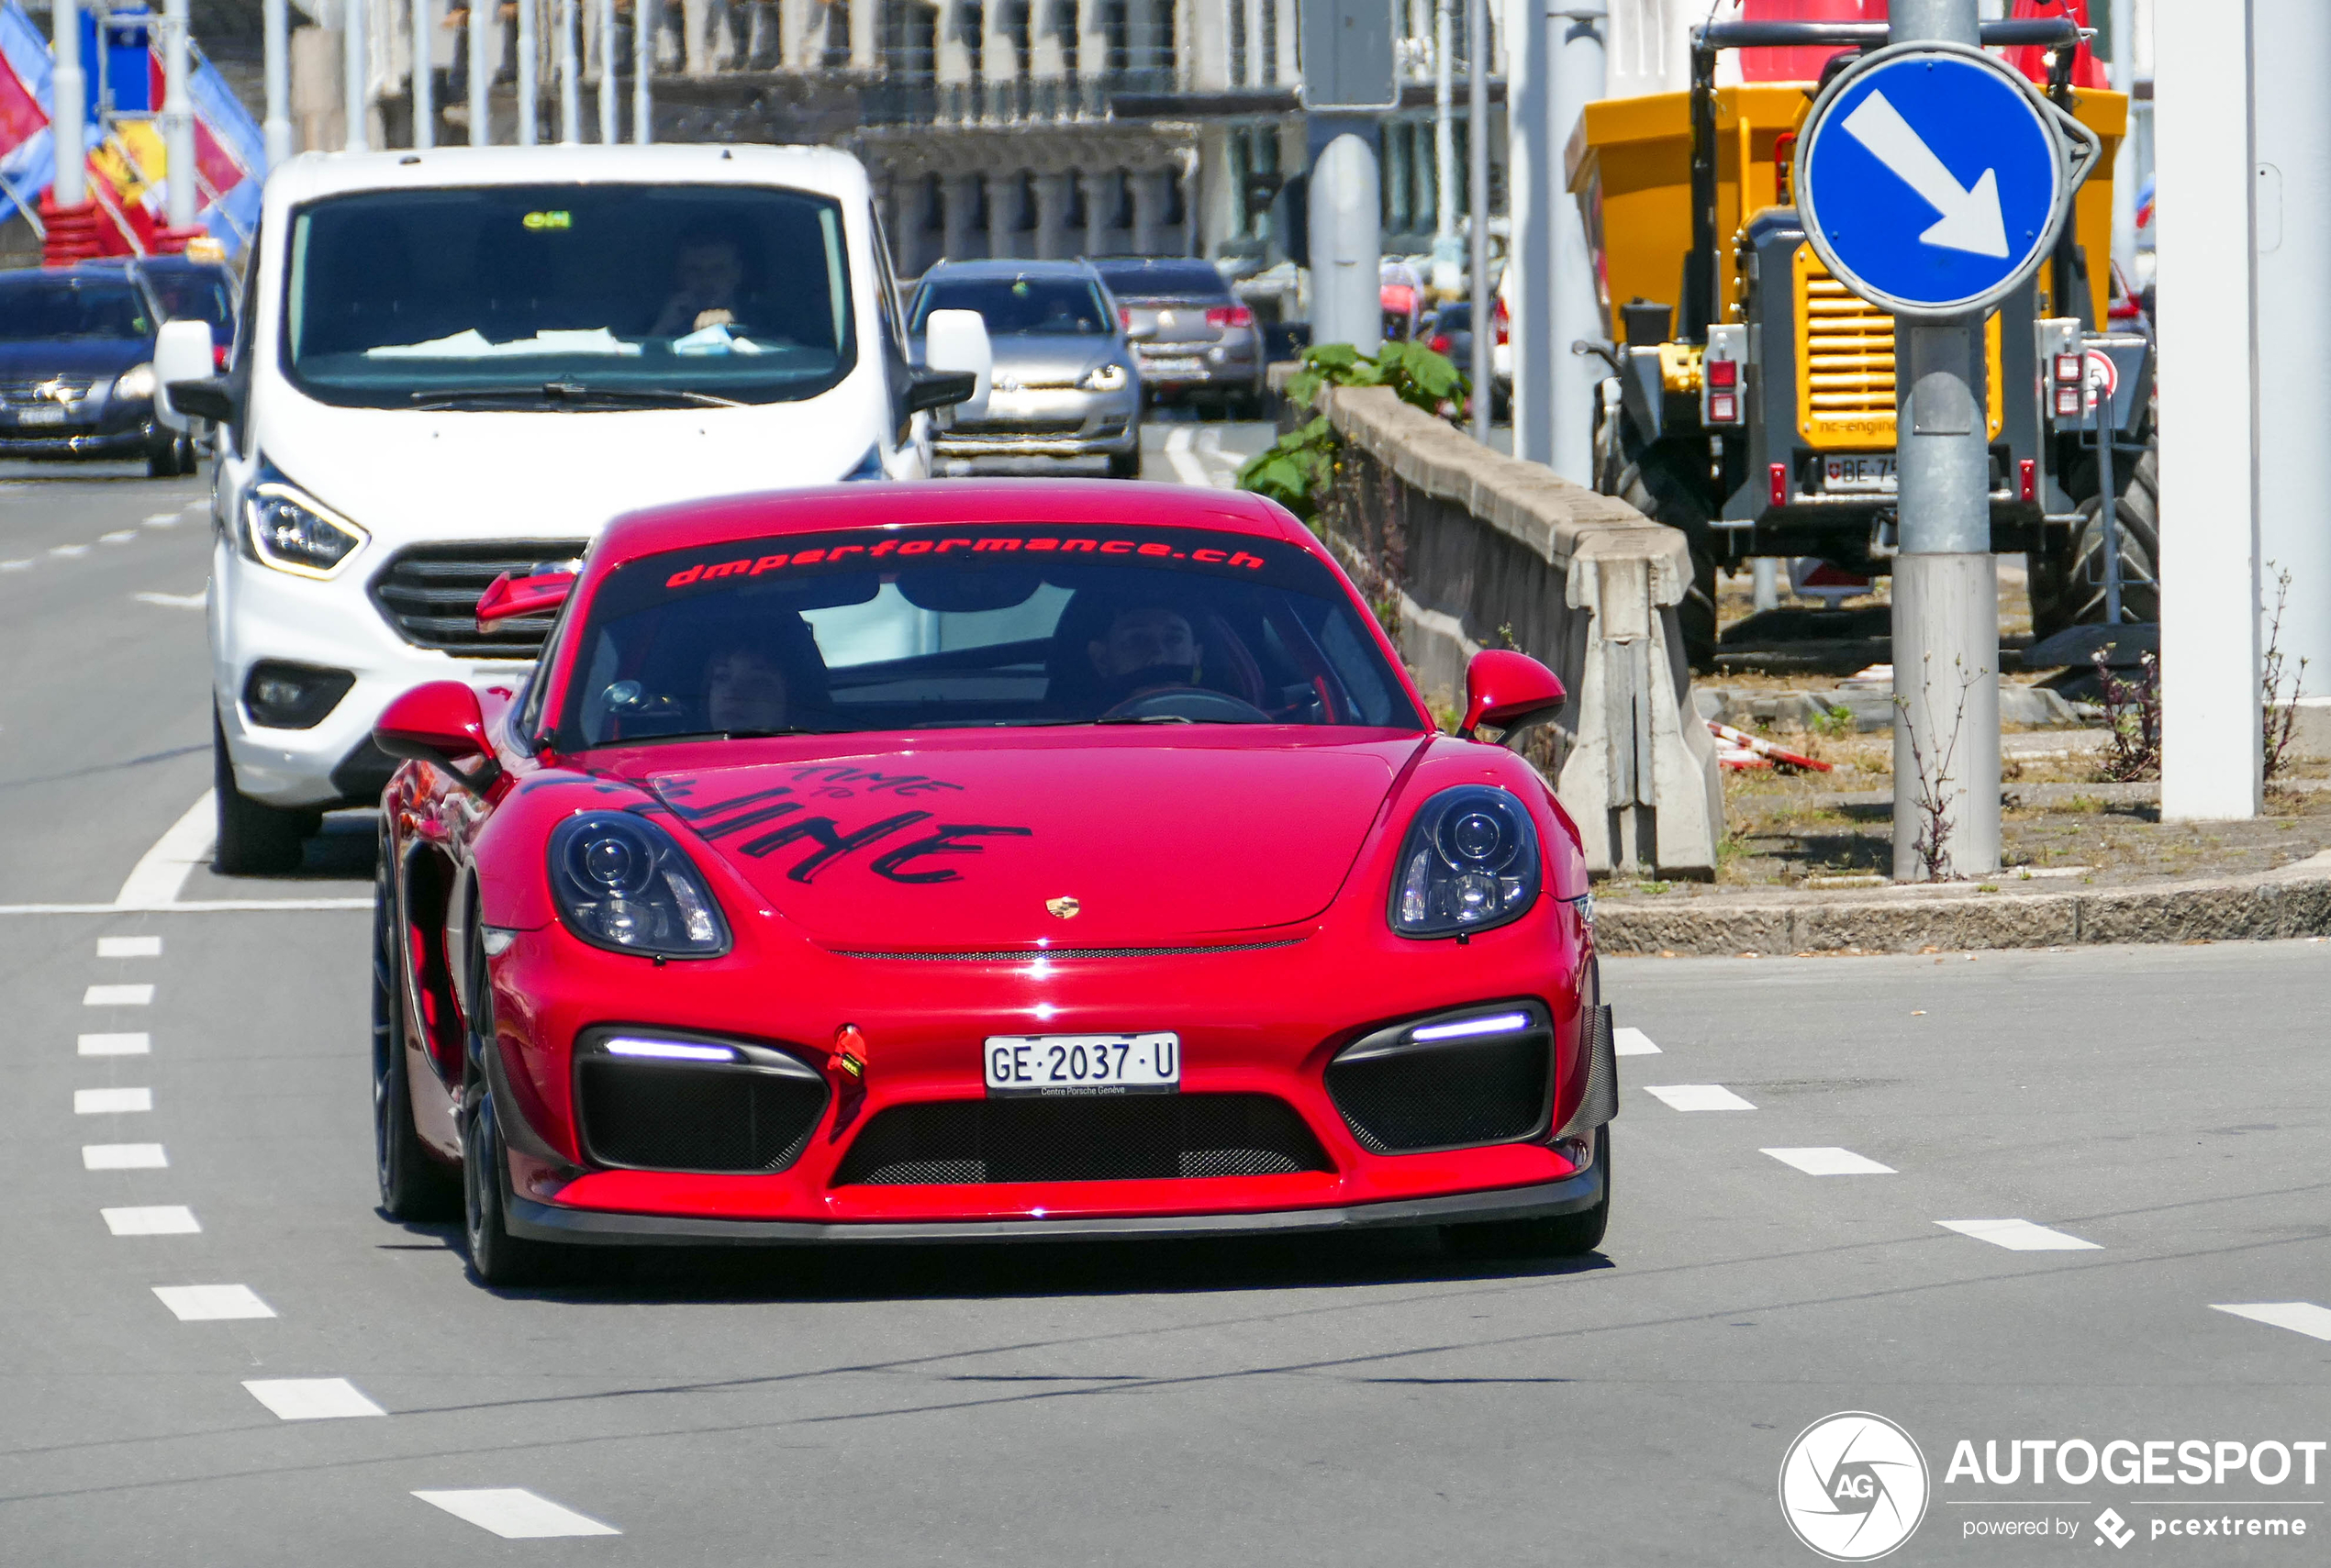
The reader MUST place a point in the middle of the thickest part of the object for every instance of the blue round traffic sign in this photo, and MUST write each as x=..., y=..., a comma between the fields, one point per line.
x=1931, y=179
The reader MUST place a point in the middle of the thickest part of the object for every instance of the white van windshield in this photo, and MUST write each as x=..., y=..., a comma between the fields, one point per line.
x=568, y=296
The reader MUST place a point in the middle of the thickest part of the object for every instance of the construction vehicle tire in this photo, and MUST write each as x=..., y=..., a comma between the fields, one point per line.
x=2068, y=589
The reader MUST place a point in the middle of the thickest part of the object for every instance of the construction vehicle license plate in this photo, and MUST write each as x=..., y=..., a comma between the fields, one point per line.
x=1864, y=473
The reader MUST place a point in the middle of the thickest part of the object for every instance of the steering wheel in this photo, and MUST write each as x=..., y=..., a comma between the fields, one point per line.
x=1198, y=705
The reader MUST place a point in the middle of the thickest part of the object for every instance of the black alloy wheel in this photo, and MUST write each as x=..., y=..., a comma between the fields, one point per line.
x=413, y=1185
x=1557, y=1236
x=496, y=1258
x=254, y=839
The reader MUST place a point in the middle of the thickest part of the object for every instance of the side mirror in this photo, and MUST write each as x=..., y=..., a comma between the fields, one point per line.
x=1509, y=691
x=209, y=399
x=957, y=341
x=442, y=724
x=181, y=354
x=506, y=597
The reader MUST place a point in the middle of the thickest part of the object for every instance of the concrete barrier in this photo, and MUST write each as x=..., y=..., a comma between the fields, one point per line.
x=1475, y=549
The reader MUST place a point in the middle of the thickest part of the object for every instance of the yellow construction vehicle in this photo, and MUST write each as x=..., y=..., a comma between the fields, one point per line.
x=1752, y=399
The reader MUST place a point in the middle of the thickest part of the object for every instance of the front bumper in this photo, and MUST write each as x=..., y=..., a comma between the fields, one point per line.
x=122, y=432
x=1048, y=422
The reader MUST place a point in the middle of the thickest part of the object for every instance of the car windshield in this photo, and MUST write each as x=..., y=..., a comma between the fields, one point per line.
x=1016, y=307
x=568, y=296
x=72, y=307
x=964, y=627
x=1164, y=280
x=190, y=294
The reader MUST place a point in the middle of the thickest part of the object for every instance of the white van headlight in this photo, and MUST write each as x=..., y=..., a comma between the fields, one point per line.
x=290, y=530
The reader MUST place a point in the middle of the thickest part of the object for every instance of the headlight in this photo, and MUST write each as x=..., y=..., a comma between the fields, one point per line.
x=291, y=531
x=1470, y=861
x=137, y=381
x=622, y=883
x=1109, y=377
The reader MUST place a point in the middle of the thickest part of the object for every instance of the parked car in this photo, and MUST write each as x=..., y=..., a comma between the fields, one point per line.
x=76, y=368
x=1067, y=383
x=1197, y=342
x=460, y=364
x=1001, y=861
x=1448, y=331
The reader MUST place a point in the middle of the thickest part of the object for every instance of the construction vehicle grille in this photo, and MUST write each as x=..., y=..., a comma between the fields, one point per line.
x=1846, y=365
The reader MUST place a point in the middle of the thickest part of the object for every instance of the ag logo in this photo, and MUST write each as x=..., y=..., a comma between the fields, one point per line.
x=1853, y=1487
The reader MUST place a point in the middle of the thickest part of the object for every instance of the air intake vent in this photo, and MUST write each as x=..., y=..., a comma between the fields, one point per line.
x=1114, y=1138
x=429, y=594
x=1402, y=1096
x=655, y=1115
x=1846, y=365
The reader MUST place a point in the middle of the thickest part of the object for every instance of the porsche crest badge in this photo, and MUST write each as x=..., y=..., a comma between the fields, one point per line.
x=1064, y=909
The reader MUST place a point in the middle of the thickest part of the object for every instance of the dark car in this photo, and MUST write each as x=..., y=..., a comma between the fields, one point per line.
x=76, y=368
x=187, y=289
x=1195, y=339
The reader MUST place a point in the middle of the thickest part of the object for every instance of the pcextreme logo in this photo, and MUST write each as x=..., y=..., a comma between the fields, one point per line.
x=1853, y=1487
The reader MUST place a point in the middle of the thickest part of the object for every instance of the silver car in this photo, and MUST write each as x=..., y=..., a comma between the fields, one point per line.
x=1067, y=383
x=1195, y=340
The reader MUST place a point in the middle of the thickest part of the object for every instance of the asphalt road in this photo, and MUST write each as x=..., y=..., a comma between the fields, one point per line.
x=1359, y=1402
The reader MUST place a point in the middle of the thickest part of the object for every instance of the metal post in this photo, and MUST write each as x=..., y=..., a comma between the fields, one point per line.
x=570, y=87
x=481, y=75
x=356, y=91
x=529, y=74
x=1346, y=302
x=1477, y=198
x=1577, y=71
x=1445, y=239
x=642, y=71
x=69, y=92
x=2124, y=175
x=177, y=116
x=275, y=28
x=2108, y=509
x=608, y=102
x=1529, y=260
x=1945, y=618
x=424, y=93
x=1766, y=580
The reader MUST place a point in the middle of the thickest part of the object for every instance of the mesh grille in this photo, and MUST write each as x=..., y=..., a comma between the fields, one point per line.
x=429, y=594
x=1116, y=1138
x=1448, y=1097
x=1849, y=352
x=1025, y=955
x=659, y=1116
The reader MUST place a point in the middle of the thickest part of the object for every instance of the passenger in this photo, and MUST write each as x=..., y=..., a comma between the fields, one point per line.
x=708, y=283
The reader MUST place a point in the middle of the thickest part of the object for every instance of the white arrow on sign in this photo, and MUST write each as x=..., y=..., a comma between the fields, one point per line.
x=1971, y=220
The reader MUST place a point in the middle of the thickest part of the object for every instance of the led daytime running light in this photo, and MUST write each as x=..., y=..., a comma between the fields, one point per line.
x=669, y=1051
x=1466, y=1029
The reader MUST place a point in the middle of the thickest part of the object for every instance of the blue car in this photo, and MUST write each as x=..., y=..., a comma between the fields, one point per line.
x=76, y=368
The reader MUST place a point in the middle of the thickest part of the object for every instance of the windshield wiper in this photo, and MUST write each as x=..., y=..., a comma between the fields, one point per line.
x=575, y=393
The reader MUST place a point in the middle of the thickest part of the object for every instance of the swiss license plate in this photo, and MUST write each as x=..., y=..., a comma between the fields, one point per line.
x=1170, y=367
x=1864, y=473
x=1083, y=1064
x=41, y=416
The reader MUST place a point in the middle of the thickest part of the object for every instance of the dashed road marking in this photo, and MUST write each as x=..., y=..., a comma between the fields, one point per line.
x=212, y=1303
x=515, y=1514
x=1830, y=1162
x=129, y=947
x=1184, y=460
x=312, y=1398
x=2018, y=1235
x=124, y=1157
x=174, y=601
x=119, y=536
x=111, y=1102
x=116, y=1044
x=23, y=564
x=1698, y=1097
x=2299, y=1316
x=140, y=995
x=68, y=550
x=163, y=520
x=164, y=1219
x=1633, y=1043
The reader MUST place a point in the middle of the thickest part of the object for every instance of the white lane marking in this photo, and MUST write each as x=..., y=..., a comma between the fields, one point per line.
x=212, y=1303
x=312, y=1398
x=119, y=536
x=174, y=601
x=68, y=550
x=1227, y=464
x=2299, y=1316
x=22, y=563
x=2018, y=1235
x=514, y=1513
x=166, y=1219
x=1633, y=1043
x=111, y=1102
x=163, y=520
x=1830, y=1162
x=139, y=995
x=116, y=1045
x=189, y=906
x=162, y=870
x=129, y=947
x=1698, y=1097
x=123, y=1157
x=1185, y=464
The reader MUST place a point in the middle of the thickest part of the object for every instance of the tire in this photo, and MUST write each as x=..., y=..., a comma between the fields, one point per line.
x=413, y=1185
x=2067, y=590
x=1125, y=466
x=1661, y=489
x=161, y=463
x=1558, y=1236
x=496, y=1258
x=254, y=839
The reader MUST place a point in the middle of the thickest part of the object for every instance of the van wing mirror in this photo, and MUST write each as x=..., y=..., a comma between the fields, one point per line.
x=207, y=398
x=956, y=340
x=182, y=353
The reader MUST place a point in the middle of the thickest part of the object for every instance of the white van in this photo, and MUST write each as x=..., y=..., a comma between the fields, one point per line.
x=454, y=365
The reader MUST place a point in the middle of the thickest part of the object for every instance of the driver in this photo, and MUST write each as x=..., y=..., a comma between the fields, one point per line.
x=1146, y=648
x=745, y=689
x=707, y=276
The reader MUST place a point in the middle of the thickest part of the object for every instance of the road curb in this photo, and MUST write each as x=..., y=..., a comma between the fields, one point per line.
x=2294, y=901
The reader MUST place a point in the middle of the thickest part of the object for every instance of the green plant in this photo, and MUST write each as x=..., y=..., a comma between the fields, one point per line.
x=2281, y=712
x=1297, y=469
x=1835, y=722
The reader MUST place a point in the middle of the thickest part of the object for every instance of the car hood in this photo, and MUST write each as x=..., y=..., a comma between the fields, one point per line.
x=71, y=357
x=972, y=848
